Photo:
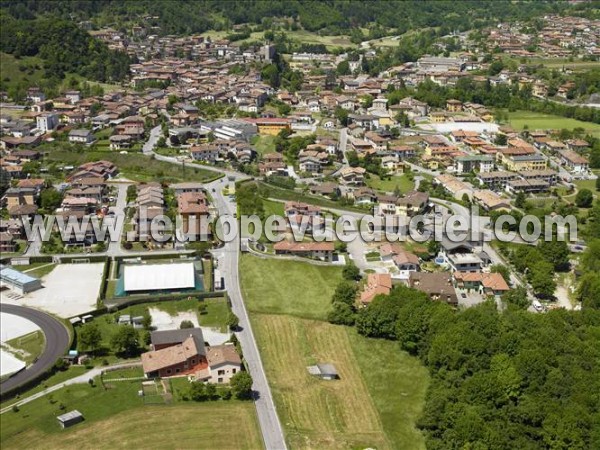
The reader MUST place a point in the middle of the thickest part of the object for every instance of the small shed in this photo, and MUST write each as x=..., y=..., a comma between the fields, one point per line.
x=325, y=371
x=124, y=319
x=71, y=418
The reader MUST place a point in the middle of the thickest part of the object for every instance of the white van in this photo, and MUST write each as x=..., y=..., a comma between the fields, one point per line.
x=538, y=306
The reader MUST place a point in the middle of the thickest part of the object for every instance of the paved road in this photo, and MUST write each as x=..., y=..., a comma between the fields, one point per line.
x=228, y=259
x=57, y=342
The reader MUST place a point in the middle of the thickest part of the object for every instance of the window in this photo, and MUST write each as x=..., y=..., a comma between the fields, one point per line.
x=177, y=370
x=168, y=371
x=219, y=380
x=233, y=370
x=221, y=372
x=193, y=361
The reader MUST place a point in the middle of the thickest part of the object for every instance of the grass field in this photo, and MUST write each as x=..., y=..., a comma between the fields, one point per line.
x=37, y=270
x=301, y=36
x=117, y=418
x=12, y=75
x=30, y=346
x=315, y=413
x=367, y=407
x=263, y=144
x=273, y=208
x=136, y=167
x=288, y=287
x=558, y=63
x=401, y=181
x=534, y=121
x=397, y=387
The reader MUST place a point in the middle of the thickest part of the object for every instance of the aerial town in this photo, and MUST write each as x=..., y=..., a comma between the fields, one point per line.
x=133, y=291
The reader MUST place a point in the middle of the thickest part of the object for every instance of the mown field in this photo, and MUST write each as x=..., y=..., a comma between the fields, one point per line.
x=117, y=418
x=287, y=287
x=401, y=181
x=381, y=390
x=534, y=121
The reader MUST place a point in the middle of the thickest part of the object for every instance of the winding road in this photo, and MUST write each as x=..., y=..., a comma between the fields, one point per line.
x=57, y=342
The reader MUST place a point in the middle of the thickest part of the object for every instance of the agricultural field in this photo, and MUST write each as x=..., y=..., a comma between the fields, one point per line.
x=534, y=121
x=288, y=301
x=117, y=416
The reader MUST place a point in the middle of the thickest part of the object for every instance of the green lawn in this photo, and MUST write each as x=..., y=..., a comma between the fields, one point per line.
x=534, y=120
x=136, y=167
x=401, y=181
x=263, y=144
x=288, y=287
x=273, y=208
x=117, y=417
x=29, y=346
x=397, y=387
x=381, y=390
x=37, y=270
x=217, y=310
x=52, y=380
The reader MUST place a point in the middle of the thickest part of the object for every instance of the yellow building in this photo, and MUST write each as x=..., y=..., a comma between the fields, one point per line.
x=519, y=163
x=271, y=125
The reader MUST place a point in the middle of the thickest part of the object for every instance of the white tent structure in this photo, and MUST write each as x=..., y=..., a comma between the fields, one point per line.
x=153, y=277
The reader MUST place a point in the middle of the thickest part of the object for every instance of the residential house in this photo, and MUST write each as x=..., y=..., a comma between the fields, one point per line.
x=489, y=200
x=185, y=358
x=205, y=153
x=47, y=122
x=81, y=136
x=193, y=209
x=316, y=250
x=437, y=285
x=574, y=162
x=352, y=176
x=377, y=284
x=483, y=283
x=474, y=163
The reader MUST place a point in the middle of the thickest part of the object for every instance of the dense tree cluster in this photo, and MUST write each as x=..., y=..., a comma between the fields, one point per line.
x=64, y=47
x=329, y=16
x=500, y=380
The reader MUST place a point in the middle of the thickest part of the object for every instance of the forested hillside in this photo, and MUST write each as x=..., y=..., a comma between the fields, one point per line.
x=330, y=16
x=501, y=380
x=63, y=48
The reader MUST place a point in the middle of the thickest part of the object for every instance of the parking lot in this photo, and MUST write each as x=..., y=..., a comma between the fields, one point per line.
x=69, y=290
